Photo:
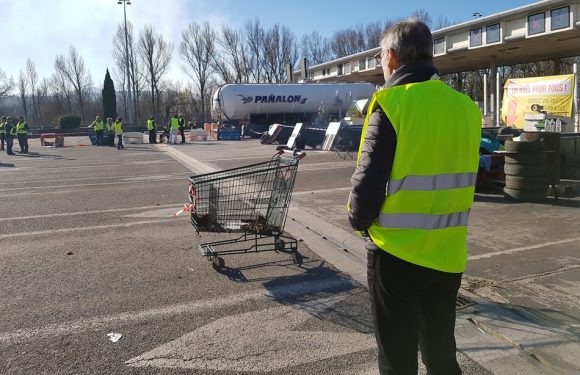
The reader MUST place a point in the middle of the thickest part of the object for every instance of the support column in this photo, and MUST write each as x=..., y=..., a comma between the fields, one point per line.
x=493, y=74
x=497, y=108
x=575, y=112
x=485, y=95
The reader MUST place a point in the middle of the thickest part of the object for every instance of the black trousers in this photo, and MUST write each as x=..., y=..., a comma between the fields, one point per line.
x=23, y=142
x=152, y=136
x=182, y=132
x=120, y=141
x=412, y=307
x=2, y=139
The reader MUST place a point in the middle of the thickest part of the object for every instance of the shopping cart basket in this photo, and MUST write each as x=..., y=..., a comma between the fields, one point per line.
x=252, y=200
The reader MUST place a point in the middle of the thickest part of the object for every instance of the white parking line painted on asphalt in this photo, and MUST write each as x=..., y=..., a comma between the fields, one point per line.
x=258, y=341
x=121, y=177
x=82, y=213
x=281, y=292
x=102, y=166
x=44, y=187
x=82, y=229
x=520, y=249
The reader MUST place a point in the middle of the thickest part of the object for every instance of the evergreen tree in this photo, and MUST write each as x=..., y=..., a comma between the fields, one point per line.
x=109, y=98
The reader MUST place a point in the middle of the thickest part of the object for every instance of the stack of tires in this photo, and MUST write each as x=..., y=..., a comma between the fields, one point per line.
x=526, y=171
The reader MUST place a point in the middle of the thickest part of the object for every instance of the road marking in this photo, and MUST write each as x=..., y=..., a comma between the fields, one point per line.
x=81, y=213
x=82, y=229
x=281, y=292
x=258, y=341
x=123, y=177
x=520, y=249
x=93, y=184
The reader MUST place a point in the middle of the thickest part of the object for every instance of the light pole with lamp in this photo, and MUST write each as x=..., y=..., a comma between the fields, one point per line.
x=125, y=3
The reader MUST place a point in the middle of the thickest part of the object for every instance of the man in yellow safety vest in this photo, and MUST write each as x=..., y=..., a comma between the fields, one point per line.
x=99, y=127
x=119, y=133
x=2, y=132
x=22, y=135
x=173, y=129
x=411, y=195
x=151, y=128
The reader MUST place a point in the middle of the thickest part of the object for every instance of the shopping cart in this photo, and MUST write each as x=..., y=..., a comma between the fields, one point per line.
x=252, y=200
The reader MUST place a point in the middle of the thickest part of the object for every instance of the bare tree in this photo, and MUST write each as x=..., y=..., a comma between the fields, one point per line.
x=155, y=54
x=72, y=70
x=134, y=82
x=315, y=48
x=348, y=41
x=235, y=65
x=42, y=96
x=23, y=91
x=280, y=49
x=32, y=77
x=197, y=49
x=373, y=34
x=442, y=22
x=255, y=40
x=6, y=84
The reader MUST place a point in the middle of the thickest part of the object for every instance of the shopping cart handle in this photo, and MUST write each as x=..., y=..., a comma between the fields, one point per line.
x=298, y=155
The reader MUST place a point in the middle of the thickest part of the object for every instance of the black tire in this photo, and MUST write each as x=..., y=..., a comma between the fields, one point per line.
x=527, y=183
x=526, y=158
x=524, y=195
x=525, y=147
x=526, y=170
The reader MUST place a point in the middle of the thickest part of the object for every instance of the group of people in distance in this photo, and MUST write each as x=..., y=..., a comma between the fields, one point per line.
x=11, y=128
x=113, y=129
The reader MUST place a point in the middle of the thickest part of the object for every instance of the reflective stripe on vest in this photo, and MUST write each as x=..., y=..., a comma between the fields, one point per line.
x=424, y=221
x=434, y=182
x=424, y=216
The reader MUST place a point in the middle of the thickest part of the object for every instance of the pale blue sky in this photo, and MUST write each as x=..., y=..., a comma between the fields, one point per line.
x=43, y=29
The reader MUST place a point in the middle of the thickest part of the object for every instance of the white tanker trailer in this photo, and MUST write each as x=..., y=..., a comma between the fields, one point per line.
x=260, y=105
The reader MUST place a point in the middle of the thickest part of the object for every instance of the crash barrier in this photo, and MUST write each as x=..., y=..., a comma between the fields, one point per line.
x=108, y=139
x=198, y=135
x=134, y=137
x=294, y=135
x=330, y=136
x=52, y=140
x=211, y=130
x=527, y=175
x=277, y=133
x=229, y=134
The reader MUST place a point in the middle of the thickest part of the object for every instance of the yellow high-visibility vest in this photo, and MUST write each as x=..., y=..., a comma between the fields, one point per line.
x=423, y=219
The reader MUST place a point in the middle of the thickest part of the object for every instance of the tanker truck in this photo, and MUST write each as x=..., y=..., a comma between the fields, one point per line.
x=256, y=106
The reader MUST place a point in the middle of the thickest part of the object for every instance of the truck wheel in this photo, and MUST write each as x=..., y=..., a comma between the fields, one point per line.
x=526, y=170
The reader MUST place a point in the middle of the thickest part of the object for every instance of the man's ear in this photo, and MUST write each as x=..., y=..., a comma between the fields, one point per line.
x=392, y=62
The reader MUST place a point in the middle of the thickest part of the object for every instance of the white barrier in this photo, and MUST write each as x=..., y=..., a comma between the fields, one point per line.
x=134, y=137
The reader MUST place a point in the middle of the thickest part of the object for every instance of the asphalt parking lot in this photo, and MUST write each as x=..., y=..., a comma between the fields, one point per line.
x=89, y=247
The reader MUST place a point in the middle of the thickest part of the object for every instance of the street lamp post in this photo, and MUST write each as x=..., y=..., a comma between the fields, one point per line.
x=125, y=3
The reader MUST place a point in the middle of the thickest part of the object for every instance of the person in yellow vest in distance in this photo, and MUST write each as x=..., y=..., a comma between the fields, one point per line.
x=110, y=127
x=10, y=129
x=151, y=128
x=181, y=127
x=99, y=127
x=22, y=134
x=2, y=132
x=173, y=129
x=119, y=133
x=412, y=190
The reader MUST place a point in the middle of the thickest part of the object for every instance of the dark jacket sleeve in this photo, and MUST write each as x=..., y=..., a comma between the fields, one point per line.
x=372, y=172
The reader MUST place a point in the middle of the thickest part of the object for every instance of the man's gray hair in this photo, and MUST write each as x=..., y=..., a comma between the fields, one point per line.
x=411, y=40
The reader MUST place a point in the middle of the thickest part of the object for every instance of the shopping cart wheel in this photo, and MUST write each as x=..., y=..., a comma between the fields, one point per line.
x=218, y=263
x=296, y=258
x=279, y=244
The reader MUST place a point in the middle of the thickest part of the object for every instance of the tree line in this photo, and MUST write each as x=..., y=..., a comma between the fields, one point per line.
x=209, y=57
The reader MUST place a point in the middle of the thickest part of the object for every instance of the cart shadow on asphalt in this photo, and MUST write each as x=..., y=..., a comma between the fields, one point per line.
x=37, y=155
x=237, y=274
x=6, y=165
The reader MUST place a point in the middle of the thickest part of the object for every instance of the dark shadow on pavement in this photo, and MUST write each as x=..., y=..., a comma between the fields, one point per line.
x=6, y=165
